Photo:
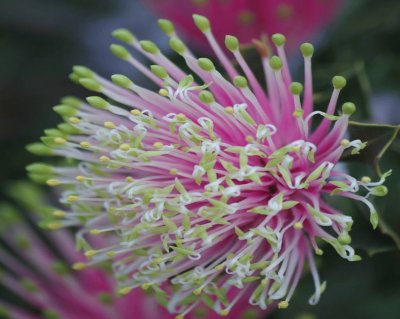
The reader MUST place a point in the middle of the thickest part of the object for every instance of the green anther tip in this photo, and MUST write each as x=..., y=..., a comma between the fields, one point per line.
x=71, y=101
x=201, y=22
x=39, y=168
x=206, y=64
x=159, y=71
x=348, y=108
x=65, y=110
x=149, y=46
x=83, y=71
x=240, y=81
x=339, y=82
x=232, y=43
x=97, y=102
x=90, y=84
x=39, y=149
x=278, y=39
x=166, y=26
x=121, y=80
x=344, y=239
x=124, y=35
x=177, y=45
x=307, y=49
x=296, y=88
x=119, y=51
x=206, y=97
x=275, y=63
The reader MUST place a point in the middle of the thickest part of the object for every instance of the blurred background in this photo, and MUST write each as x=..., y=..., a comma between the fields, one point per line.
x=40, y=40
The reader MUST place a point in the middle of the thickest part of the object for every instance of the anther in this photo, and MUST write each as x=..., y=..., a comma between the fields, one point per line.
x=298, y=226
x=60, y=141
x=78, y=266
x=85, y=144
x=181, y=117
x=158, y=145
x=109, y=125
x=124, y=147
x=135, y=112
x=53, y=182
x=58, y=213
x=229, y=110
x=104, y=159
x=366, y=179
x=283, y=304
x=72, y=198
x=74, y=120
x=80, y=178
x=345, y=143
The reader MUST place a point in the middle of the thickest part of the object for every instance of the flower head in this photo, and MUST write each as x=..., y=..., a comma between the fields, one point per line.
x=248, y=20
x=38, y=281
x=211, y=189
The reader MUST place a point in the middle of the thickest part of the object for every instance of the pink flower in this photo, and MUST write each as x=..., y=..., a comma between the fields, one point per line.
x=211, y=189
x=39, y=277
x=248, y=20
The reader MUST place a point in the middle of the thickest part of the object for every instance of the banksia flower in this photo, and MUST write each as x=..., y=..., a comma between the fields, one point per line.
x=38, y=281
x=212, y=189
x=248, y=20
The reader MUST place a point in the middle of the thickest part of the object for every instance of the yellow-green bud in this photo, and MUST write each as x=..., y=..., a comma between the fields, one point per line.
x=201, y=22
x=307, y=49
x=206, y=97
x=177, y=45
x=166, y=26
x=97, y=102
x=278, y=39
x=83, y=71
x=90, y=84
x=206, y=64
x=120, y=51
x=65, y=110
x=159, y=71
x=240, y=81
x=275, y=63
x=339, y=82
x=149, y=46
x=121, y=80
x=348, y=108
x=124, y=35
x=232, y=43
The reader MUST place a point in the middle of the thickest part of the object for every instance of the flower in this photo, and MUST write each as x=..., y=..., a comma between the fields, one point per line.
x=38, y=281
x=248, y=20
x=211, y=189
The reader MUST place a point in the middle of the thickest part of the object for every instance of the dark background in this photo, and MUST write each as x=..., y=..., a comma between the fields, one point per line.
x=41, y=39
